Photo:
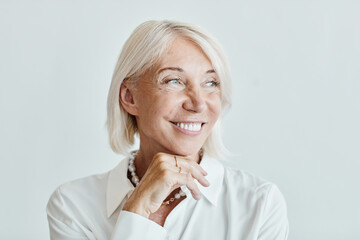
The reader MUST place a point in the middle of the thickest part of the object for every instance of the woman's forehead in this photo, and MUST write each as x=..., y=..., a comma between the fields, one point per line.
x=180, y=49
x=182, y=56
x=183, y=66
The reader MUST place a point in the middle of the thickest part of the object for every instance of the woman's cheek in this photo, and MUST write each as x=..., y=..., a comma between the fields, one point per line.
x=214, y=104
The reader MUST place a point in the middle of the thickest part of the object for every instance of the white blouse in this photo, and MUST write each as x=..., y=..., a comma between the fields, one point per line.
x=236, y=205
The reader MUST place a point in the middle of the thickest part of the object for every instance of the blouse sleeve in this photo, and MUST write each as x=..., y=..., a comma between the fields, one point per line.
x=64, y=224
x=275, y=224
x=131, y=226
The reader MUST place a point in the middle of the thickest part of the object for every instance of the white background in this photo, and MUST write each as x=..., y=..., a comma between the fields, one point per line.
x=294, y=121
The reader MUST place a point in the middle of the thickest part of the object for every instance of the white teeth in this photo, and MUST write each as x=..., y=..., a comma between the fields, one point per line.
x=190, y=126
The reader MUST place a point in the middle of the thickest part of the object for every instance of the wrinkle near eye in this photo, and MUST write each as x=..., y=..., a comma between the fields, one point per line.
x=170, y=81
x=172, y=86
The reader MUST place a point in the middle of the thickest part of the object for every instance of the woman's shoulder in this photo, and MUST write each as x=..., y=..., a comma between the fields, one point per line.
x=243, y=180
x=75, y=204
x=247, y=187
x=84, y=185
x=259, y=197
x=90, y=189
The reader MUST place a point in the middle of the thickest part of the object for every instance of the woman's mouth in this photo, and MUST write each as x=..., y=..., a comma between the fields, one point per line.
x=189, y=128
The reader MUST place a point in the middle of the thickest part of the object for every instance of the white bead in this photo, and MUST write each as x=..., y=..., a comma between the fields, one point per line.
x=135, y=179
x=133, y=174
x=132, y=168
x=182, y=193
x=177, y=196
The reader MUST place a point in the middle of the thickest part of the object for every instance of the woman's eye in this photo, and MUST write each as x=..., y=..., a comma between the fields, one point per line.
x=173, y=84
x=212, y=83
x=173, y=81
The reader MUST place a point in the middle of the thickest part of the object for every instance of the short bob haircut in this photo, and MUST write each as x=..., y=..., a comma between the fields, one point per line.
x=143, y=50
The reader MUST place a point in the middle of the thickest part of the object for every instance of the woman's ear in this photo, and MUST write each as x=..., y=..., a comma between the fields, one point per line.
x=126, y=98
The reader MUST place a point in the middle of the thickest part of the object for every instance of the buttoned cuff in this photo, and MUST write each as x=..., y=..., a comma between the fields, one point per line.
x=132, y=226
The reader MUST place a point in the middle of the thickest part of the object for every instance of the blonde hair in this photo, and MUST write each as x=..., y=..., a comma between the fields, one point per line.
x=140, y=52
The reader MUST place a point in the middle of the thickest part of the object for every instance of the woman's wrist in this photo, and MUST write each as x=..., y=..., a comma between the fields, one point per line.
x=137, y=208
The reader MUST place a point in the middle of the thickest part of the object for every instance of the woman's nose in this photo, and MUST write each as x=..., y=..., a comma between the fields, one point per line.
x=195, y=102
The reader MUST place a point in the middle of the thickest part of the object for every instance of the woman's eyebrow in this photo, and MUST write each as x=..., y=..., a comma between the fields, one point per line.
x=171, y=68
x=181, y=70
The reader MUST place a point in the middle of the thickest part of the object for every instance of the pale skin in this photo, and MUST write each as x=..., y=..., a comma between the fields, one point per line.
x=182, y=88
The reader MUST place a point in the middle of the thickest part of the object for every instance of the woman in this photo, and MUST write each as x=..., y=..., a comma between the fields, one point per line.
x=170, y=86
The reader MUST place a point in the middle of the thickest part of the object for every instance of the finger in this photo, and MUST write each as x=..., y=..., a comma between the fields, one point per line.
x=194, y=164
x=195, y=174
x=195, y=171
x=191, y=185
x=186, y=179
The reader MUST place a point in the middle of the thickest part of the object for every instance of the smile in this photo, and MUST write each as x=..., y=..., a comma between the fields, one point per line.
x=189, y=127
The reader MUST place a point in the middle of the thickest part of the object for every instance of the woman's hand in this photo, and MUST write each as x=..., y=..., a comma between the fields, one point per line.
x=161, y=178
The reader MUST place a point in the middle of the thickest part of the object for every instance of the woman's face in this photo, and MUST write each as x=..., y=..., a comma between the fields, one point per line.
x=178, y=102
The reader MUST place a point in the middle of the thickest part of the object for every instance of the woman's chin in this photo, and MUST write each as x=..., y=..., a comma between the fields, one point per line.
x=186, y=152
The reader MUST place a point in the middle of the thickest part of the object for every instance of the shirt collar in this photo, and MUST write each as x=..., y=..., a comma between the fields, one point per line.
x=118, y=185
x=215, y=176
